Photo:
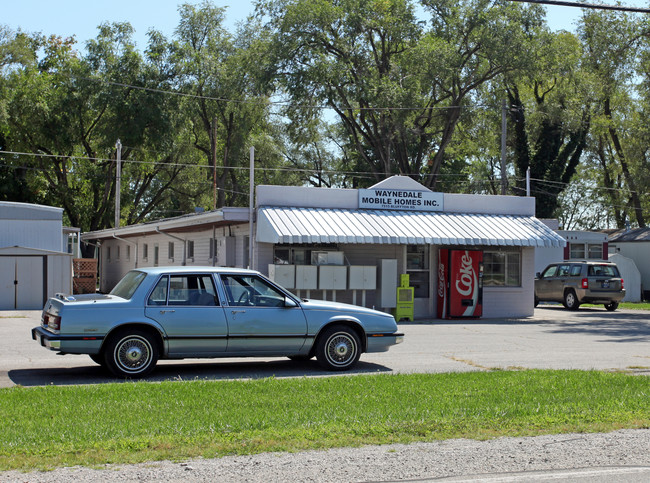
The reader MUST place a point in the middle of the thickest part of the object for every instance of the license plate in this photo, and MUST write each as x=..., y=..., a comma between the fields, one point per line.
x=606, y=284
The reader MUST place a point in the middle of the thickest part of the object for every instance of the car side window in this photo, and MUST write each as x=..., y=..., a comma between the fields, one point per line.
x=252, y=291
x=550, y=271
x=192, y=290
x=563, y=271
x=575, y=270
x=159, y=294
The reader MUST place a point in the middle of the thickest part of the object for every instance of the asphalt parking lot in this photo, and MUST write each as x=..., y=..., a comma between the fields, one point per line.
x=554, y=338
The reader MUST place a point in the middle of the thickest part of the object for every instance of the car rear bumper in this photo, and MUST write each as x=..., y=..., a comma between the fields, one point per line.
x=600, y=297
x=46, y=339
x=69, y=344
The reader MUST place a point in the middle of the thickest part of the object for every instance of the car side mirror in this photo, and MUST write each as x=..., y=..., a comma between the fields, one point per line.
x=538, y=275
x=289, y=303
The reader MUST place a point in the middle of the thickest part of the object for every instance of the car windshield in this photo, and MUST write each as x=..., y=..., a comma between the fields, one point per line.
x=129, y=284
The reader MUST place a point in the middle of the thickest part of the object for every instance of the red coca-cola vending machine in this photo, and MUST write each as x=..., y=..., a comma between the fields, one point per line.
x=460, y=283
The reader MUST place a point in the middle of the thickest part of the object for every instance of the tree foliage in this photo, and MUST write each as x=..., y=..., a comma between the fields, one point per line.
x=331, y=93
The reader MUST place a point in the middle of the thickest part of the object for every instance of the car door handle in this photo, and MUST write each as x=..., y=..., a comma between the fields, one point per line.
x=167, y=311
x=238, y=312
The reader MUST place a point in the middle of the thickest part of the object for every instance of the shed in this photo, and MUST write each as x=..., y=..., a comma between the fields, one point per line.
x=630, y=275
x=34, y=263
x=634, y=244
x=28, y=276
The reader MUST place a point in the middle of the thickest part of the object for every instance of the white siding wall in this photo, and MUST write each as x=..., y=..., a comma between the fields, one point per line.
x=640, y=253
x=111, y=271
x=41, y=234
x=59, y=274
x=513, y=301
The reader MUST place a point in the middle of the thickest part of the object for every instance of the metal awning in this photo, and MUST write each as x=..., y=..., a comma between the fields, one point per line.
x=280, y=225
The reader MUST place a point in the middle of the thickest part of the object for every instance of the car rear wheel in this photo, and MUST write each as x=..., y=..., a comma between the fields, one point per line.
x=536, y=301
x=338, y=348
x=612, y=306
x=132, y=353
x=570, y=300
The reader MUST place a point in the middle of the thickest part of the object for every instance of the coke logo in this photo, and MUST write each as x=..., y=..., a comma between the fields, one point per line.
x=441, y=280
x=465, y=283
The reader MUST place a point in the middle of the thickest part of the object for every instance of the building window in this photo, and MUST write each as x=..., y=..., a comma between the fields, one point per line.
x=156, y=253
x=577, y=251
x=417, y=267
x=246, y=251
x=190, y=249
x=118, y=253
x=171, y=251
x=108, y=254
x=145, y=251
x=502, y=268
x=595, y=251
x=128, y=252
x=213, y=250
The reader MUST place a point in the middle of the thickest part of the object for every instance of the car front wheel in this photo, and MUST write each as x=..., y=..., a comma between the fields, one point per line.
x=131, y=353
x=570, y=300
x=338, y=348
x=612, y=306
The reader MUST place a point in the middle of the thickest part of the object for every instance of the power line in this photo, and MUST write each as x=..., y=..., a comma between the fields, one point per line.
x=619, y=8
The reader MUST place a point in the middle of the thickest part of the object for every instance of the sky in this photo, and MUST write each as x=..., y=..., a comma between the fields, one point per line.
x=81, y=17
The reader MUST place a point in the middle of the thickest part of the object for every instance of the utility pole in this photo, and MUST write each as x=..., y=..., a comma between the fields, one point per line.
x=251, y=208
x=504, y=179
x=118, y=182
x=214, y=164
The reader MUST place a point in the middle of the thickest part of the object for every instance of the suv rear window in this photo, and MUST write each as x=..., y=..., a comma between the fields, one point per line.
x=603, y=271
x=575, y=270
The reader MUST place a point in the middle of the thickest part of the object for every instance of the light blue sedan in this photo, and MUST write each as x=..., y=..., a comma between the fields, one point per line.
x=189, y=312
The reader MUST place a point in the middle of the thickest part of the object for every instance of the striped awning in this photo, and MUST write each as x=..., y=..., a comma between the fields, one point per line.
x=286, y=225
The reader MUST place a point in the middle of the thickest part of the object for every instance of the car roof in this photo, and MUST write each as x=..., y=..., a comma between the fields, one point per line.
x=195, y=269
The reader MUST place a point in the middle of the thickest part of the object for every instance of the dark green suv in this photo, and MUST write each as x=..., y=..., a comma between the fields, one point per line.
x=574, y=283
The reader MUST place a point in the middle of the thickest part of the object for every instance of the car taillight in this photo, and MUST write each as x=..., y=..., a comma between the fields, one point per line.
x=52, y=321
x=585, y=283
x=622, y=284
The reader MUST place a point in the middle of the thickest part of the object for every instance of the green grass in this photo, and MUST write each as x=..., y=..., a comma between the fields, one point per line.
x=635, y=305
x=626, y=305
x=46, y=427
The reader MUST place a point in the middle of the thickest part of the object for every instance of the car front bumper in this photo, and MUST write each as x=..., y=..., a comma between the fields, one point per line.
x=382, y=342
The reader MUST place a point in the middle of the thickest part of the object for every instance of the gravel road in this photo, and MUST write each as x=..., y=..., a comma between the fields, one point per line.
x=617, y=456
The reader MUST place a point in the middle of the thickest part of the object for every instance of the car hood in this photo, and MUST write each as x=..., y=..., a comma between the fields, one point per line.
x=309, y=304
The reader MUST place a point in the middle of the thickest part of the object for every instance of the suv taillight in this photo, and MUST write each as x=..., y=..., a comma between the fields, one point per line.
x=622, y=284
x=585, y=283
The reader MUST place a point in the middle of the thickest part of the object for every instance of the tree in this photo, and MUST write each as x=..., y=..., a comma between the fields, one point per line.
x=612, y=44
x=398, y=88
x=225, y=78
x=549, y=111
x=69, y=110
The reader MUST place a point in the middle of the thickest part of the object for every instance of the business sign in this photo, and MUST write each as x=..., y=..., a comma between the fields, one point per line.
x=396, y=199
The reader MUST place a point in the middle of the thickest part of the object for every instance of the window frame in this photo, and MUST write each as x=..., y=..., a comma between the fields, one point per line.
x=509, y=261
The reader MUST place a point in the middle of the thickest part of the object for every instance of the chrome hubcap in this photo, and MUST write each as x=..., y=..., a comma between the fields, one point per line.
x=133, y=354
x=341, y=349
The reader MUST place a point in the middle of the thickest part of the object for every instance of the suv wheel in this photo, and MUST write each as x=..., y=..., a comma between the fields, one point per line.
x=571, y=300
x=612, y=306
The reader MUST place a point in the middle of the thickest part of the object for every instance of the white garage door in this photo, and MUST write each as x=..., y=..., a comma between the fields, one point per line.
x=21, y=283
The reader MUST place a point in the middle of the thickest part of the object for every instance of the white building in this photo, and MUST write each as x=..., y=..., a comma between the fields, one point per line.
x=34, y=262
x=350, y=245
